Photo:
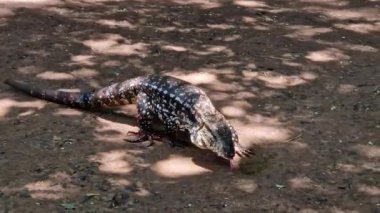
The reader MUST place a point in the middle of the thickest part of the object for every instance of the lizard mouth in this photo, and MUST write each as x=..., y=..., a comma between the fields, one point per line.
x=225, y=156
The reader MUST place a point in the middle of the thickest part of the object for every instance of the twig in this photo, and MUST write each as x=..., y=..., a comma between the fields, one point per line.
x=293, y=138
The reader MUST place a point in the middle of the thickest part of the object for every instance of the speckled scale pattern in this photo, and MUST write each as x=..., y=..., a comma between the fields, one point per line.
x=172, y=101
x=114, y=95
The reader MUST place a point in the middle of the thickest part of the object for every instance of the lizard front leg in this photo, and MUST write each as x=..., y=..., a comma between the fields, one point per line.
x=144, y=121
x=171, y=129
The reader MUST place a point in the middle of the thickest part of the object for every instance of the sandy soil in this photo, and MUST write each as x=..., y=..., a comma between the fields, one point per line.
x=298, y=79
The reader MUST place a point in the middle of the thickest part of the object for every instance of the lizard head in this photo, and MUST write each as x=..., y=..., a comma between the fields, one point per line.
x=217, y=135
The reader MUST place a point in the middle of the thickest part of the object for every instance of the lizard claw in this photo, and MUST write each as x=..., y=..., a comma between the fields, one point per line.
x=142, y=137
x=243, y=152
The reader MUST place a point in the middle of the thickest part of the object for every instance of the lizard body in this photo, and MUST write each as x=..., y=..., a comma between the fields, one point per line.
x=179, y=105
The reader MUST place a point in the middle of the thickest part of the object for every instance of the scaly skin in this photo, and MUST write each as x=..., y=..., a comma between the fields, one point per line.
x=178, y=104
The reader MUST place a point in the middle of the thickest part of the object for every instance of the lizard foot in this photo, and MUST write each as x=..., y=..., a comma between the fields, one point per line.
x=142, y=137
x=173, y=143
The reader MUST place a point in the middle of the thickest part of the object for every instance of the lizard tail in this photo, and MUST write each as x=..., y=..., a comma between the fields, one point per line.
x=71, y=99
x=114, y=95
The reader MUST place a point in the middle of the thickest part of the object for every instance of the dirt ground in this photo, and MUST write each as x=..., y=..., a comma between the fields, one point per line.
x=298, y=79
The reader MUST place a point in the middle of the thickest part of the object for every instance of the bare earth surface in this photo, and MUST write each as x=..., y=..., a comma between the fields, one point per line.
x=298, y=79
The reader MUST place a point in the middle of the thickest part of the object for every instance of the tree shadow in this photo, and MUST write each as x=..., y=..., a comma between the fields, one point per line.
x=276, y=69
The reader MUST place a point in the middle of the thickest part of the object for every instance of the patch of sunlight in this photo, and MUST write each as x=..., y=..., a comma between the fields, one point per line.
x=111, y=63
x=25, y=1
x=244, y=95
x=328, y=2
x=231, y=63
x=28, y=3
x=7, y=104
x=88, y=2
x=69, y=90
x=291, y=64
x=204, y=76
x=261, y=27
x=346, y=89
x=348, y=46
x=282, y=10
x=301, y=183
x=306, y=32
x=369, y=151
x=83, y=59
x=4, y=12
x=68, y=112
x=174, y=48
x=26, y=113
x=49, y=75
x=298, y=145
x=339, y=210
x=165, y=29
x=279, y=81
x=201, y=3
x=49, y=190
x=368, y=14
x=260, y=119
x=59, y=10
x=196, y=77
x=177, y=166
x=115, y=45
x=308, y=210
x=113, y=162
x=115, y=23
x=224, y=87
x=327, y=55
x=249, y=20
x=372, y=166
x=246, y=185
x=29, y=70
x=219, y=96
x=119, y=182
x=252, y=133
x=112, y=132
x=213, y=49
x=348, y=167
x=266, y=93
x=250, y=3
x=308, y=75
x=369, y=190
x=249, y=74
x=221, y=26
x=219, y=48
x=142, y=192
x=363, y=28
x=233, y=111
x=232, y=38
x=84, y=72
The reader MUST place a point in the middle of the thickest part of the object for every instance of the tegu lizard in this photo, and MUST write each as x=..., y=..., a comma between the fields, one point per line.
x=179, y=105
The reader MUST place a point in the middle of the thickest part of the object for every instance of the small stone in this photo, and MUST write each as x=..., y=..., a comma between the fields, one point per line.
x=24, y=193
x=322, y=200
x=120, y=198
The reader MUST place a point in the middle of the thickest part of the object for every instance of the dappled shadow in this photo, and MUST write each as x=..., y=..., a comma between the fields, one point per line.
x=298, y=80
